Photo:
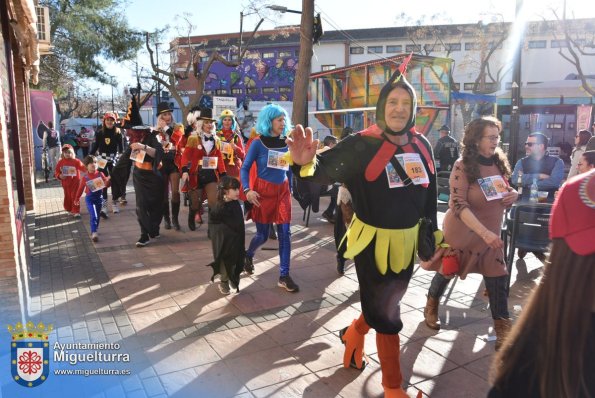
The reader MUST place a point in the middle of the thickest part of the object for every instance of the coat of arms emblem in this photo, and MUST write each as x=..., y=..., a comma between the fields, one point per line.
x=29, y=353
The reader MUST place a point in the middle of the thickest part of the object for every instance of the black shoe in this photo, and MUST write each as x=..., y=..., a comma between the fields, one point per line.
x=328, y=217
x=272, y=233
x=191, y=222
x=522, y=253
x=248, y=265
x=167, y=222
x=540, y=256
x=155, y=236
x=103, y=215
x=175, y=223
x=341, y=266
x=288, y=284
x=143, y=241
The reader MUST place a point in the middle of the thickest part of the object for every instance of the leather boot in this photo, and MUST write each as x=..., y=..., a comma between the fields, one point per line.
x=175, y=210
x=502, y=327
x=431, y=313
x=166, y=219
x=191, y=223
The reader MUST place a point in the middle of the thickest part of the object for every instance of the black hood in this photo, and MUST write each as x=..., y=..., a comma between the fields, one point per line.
x=396, y=80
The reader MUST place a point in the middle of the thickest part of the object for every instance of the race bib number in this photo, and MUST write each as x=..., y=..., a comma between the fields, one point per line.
x=101, y=163
x=414, y=167
x=277, y=160
x=493, y=187
x=138, y=155
x=95, y=184
x=209, y=162
x=69, y=171
x=226, y=148
x=394, y=181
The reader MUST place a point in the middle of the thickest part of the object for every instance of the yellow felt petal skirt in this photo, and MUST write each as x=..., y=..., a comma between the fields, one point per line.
x=394, y=247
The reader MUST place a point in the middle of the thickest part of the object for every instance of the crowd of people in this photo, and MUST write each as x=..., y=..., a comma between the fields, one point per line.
x=385, y=213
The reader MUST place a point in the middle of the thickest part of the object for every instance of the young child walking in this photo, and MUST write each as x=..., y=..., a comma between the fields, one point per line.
x=68, y=171
x=92, y=183
x=228, y=235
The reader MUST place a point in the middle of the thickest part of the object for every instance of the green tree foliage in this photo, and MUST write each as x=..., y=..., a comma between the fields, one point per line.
x=83, y=33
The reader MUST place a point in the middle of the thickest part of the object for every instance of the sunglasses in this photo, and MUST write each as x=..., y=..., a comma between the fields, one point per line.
x=530, y=144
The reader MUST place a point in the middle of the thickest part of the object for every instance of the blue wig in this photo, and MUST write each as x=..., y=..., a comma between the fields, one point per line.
x=234, y=125
x=266, y=116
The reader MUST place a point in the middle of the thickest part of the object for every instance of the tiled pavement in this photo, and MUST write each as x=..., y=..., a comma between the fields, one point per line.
x=186, y=340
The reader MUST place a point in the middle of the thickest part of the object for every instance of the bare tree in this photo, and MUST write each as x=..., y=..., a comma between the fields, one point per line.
x=169, y=78
x=579, y=41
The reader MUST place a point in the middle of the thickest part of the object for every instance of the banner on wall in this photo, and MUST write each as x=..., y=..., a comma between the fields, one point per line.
x=42, y=109
x=583, y=117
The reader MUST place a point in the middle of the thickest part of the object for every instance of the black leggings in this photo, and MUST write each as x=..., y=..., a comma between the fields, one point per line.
x=497, y=292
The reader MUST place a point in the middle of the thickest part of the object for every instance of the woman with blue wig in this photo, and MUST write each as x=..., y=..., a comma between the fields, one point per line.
x=270, y=192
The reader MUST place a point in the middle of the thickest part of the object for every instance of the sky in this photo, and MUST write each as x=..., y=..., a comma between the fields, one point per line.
x=223, y=16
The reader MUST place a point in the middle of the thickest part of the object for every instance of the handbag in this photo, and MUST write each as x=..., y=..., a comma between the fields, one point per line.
x=426, y=241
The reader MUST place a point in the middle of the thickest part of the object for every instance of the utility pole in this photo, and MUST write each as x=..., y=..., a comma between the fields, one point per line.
x=302, y=75
x=158, y=97
x=515, y=92
x=97, y=112
x=111, y=80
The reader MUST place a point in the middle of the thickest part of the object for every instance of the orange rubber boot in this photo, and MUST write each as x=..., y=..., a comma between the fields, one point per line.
x=389, y=355
x=353, y=338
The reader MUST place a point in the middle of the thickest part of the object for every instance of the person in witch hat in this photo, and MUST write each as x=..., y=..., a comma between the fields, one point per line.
x=145, y=152
x=169, y=169
x=388, y=205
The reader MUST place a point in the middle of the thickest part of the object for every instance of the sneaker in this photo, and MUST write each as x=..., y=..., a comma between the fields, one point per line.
x=103, y=215
x=123, y=200
x=288, y=284
x=76, y=215
x=143, y=241
x=94, y=237
x=115, y=208
x=224, y=287
x=248, y=265
x=155, y=236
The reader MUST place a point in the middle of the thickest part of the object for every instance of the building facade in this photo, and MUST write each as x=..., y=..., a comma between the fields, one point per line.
x=19, y=58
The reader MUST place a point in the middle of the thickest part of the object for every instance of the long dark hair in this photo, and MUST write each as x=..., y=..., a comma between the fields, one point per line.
x=584, y=136
x=550, y=337
x=473, y=134
x=225, y=184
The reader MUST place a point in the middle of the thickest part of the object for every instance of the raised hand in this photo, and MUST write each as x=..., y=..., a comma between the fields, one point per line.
x=301, y=145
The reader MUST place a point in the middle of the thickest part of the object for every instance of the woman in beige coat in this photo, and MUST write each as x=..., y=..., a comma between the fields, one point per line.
x=479, y=196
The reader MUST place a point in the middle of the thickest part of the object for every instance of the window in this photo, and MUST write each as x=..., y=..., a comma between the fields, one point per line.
x=558, y=44
x=468, y=86
x=268, y=90
x=356, y=50
x=537, y=44
x=208, y=92
x=412, y=48
x=432, y=48
x=375, y=49
x=269, y=54
x=285, y=89
x=394, y=49
x=238, y=91
x=327, y=67
x=493, y=45
x=457, y=86
x=554, y=125
x=285, y=54
x=452, y=47
x=204, y=59
x=471, y=46
x=221, y=91
x=252, y=90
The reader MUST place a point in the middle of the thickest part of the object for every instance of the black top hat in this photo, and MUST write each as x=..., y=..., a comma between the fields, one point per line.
x=163, y=107
x=206, y=114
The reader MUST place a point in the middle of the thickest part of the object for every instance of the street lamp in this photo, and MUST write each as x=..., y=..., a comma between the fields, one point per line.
x=302, y=76
x=282, y=9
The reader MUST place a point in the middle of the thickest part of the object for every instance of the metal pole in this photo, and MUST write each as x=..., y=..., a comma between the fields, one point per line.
x=158, y=85
x=515, y=96
x=97, y=113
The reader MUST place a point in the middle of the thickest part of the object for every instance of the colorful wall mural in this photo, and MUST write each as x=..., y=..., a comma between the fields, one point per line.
x=269, y=77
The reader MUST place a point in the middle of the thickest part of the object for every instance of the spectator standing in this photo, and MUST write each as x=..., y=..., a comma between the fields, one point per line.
x=446, y=150
x=51, y=141
x=580, y=141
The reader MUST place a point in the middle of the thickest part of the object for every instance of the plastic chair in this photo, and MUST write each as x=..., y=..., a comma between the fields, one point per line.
x=526, y=227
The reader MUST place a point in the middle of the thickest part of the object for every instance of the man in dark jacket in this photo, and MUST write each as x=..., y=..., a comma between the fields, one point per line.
x=446, y=150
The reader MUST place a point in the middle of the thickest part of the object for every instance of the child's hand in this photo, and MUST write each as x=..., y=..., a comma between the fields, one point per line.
x=61, y=177
x=77, y=202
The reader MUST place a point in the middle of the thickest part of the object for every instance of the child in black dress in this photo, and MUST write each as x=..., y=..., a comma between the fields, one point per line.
x=227, y=231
